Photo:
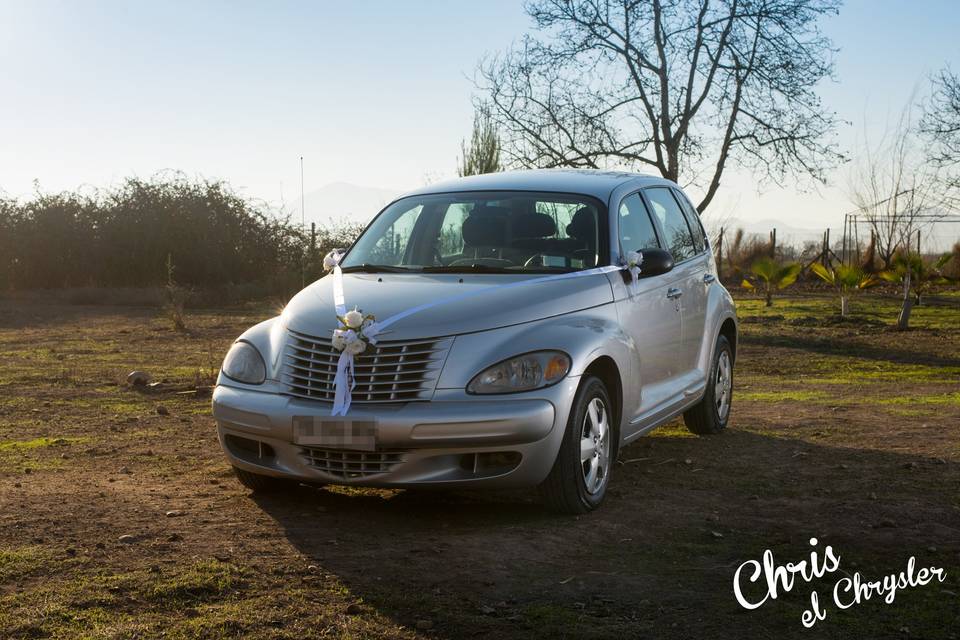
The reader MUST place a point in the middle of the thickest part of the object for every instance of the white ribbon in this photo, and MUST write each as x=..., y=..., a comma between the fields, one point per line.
x=633, y=262
x=344, y=381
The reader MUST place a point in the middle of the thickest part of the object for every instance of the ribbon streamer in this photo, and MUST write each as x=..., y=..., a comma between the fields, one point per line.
x=344, y=381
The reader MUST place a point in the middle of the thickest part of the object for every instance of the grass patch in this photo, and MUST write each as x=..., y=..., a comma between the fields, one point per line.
x=17, y=455
x=18, y=562
x=199, y=582
x=929, y=398
x=38, y=443
x=780, y=396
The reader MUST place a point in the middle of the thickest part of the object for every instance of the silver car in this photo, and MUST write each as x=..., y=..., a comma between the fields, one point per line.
x=529, y=352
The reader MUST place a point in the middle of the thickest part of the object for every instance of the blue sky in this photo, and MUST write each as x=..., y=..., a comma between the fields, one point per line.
x=372, y=93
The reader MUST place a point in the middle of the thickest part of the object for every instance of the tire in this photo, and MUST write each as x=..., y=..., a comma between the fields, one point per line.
x=710, y=416
x=264, y=484
x=565, y=489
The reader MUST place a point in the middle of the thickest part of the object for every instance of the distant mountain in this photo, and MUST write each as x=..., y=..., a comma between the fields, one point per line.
x=342, y=201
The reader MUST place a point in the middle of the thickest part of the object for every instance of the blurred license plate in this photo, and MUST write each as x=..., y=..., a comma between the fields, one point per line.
x=360, y=435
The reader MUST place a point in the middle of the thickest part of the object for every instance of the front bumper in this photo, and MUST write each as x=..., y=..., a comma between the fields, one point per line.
x=455, y=439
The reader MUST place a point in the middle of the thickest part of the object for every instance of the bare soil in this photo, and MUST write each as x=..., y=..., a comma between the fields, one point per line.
x=847, y=431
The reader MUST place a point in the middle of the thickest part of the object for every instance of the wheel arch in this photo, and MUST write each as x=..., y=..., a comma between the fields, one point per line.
x=729, y=331
x=606, y=369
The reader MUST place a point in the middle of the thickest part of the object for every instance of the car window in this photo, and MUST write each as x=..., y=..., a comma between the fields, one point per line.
x=693, y=219
x=636, y=229
x=451, y=232
x=495, y=231
x=678, y=239
x=390, y=247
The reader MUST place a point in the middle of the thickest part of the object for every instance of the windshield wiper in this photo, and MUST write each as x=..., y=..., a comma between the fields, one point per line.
x=468, y=268
x=376, y=268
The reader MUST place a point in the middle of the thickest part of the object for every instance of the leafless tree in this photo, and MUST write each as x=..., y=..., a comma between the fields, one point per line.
x=940, y=126
x=895, y=190
x=687, y=87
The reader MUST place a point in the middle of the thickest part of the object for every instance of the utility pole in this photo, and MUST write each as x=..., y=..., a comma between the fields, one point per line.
x=303, y=228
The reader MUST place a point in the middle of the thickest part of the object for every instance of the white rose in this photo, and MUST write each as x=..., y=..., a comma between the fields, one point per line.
x=353, y=319
x=332, y=259
x=356, y=347
x=634, y=258
x=339, y=340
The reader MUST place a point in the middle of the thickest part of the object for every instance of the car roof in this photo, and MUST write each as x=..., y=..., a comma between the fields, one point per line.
x=591, y=182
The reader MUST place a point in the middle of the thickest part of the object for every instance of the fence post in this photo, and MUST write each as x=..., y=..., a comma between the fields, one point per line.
x=843, y=249
x=720, y=255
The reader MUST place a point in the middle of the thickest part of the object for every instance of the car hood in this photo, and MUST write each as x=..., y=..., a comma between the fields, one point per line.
x=312, y=311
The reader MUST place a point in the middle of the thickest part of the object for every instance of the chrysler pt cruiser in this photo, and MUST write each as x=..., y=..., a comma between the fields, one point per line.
x=491, y=382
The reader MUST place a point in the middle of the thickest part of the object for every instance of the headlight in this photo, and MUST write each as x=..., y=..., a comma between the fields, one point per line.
x=244, y=364
x=522, y=373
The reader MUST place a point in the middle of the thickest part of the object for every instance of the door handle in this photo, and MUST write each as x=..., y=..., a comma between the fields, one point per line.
x=674, y=293
x=708, y=278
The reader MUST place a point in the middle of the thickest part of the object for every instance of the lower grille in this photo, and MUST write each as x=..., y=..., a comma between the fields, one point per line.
x=352, y=464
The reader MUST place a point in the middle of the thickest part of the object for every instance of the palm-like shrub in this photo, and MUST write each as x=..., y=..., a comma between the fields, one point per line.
x=769, y=276
x=917, y=277
x=846, y=280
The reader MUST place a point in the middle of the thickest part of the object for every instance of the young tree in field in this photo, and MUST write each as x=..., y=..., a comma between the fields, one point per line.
x=846, y=280
x=894, y=188
x=684, y=87
x=916, y=276
x=771, y=277
x=940, y=126
x=483, y=154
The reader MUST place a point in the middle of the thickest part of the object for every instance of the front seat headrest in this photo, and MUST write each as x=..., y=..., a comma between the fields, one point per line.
x=583, y=225
x=486, y=227
x=533, y=225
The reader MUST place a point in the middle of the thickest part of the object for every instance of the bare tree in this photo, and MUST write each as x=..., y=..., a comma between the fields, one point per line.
x=894, y=189
x=483, y=154
x=686, y=87
x=940, y=126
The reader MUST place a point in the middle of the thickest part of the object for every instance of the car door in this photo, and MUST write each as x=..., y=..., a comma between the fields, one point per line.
x=686, y=281
x=648, y=316
x=695, y=311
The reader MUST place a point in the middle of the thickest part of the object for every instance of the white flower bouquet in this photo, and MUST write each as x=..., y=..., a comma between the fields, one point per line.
x=350, y=337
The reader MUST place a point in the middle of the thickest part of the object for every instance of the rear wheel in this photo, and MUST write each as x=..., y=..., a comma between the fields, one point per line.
x=710, y=416
x=263, y=484
x=581, y=473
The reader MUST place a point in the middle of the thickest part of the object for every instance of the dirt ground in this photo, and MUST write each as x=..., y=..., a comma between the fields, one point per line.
x=119, y=518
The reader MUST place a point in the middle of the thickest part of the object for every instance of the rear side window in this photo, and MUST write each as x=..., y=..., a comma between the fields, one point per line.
x=678, y=238
x=693, y=219
x=636, y=229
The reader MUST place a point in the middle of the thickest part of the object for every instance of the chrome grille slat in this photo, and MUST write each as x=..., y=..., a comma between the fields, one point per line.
x=391, y=371
x=345, y=463
x=314, y=364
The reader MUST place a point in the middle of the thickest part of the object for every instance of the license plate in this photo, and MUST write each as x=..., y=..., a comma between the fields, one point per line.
x=359, y=435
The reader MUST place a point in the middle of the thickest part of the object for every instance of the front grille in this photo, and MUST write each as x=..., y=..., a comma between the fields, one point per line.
x=386, y=372
x=352, y=464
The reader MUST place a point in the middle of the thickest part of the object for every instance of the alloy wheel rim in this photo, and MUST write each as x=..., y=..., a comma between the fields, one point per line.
x=595, y=446
x=723, y=385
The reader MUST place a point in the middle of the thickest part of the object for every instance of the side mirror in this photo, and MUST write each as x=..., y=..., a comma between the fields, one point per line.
x=655, y=262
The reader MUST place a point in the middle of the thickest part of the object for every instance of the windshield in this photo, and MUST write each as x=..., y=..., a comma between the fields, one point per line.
x=490, y=232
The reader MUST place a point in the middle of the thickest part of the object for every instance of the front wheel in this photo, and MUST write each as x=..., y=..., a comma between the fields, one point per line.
x=580, y=475
x=710, y=416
